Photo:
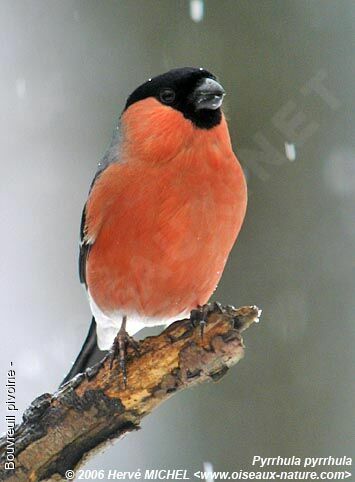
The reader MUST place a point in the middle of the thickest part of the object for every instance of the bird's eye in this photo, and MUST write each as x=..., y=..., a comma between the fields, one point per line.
x=167, y=96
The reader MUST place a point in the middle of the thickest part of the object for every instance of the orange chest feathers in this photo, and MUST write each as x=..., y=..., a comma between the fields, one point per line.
x=164, y=219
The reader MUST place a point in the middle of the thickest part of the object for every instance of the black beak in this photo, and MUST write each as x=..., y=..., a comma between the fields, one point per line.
x=208, y=95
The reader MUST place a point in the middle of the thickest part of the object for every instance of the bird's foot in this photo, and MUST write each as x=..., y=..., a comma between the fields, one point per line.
x=199, y=317
x=119, y=350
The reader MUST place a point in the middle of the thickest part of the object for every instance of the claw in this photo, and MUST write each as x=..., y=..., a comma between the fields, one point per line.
x=119, y=349
x=202, y=327
x=199, y=315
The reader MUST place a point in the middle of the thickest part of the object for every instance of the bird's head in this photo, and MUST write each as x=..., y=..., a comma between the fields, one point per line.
x=194, y=92
x=169, y=113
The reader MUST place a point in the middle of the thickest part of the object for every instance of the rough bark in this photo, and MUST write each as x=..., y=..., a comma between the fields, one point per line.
x=62, y=430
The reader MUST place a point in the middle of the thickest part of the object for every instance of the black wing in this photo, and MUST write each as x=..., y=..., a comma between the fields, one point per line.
x=84, y=249
x=109, y=158
x=90, y=353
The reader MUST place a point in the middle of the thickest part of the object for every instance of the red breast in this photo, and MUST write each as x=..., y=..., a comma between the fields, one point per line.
x=165, y=217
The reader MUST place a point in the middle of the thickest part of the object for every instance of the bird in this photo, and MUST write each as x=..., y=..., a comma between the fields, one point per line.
x=163, y=212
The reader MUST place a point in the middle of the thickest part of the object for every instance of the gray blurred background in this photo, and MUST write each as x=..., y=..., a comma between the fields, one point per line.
x=288, y=67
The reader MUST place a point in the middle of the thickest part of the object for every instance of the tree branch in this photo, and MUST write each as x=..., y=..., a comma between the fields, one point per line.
x=60, y=431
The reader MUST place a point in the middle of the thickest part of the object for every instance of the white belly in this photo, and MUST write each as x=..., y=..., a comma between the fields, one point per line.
x=107, y=326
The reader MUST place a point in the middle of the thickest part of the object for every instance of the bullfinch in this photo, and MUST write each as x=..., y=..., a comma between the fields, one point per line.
x=163, y=212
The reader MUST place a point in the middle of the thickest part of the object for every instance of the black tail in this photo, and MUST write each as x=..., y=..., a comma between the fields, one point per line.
x=88, y=356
